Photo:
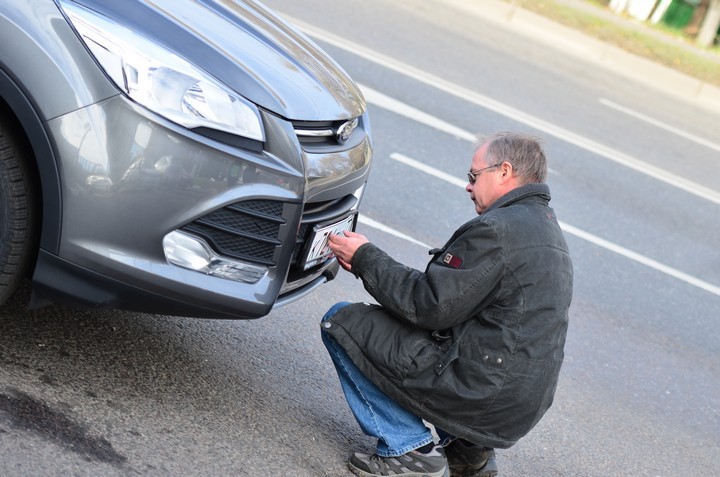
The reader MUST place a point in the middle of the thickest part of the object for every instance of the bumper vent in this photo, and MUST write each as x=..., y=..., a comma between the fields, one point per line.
x=246, y=230
x=251, y=230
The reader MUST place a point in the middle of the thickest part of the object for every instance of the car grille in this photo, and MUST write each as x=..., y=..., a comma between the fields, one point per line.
x=322, y=134
x=246, y=230
x=316, y=133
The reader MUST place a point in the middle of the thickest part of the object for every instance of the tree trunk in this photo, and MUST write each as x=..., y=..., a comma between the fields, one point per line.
x=710, y=26
x=693, y=27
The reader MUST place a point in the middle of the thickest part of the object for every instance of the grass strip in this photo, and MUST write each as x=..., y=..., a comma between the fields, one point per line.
x=646, y=44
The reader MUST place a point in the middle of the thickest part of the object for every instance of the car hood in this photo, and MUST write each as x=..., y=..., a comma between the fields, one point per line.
x=248, y=48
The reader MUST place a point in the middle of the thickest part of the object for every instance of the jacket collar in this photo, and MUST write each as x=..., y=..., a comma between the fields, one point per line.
x=541, y=191
x=535, y=191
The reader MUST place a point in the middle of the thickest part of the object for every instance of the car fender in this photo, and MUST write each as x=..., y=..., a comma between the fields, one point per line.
x=49, y=72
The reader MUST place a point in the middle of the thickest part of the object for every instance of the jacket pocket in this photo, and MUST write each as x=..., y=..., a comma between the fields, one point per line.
x=451, y=355
x=462, y=386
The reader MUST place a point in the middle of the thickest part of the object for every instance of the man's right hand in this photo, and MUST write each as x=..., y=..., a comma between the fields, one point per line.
x=344, y=247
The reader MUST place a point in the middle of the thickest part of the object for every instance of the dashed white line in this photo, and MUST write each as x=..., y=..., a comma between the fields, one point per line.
x=386, y=102
x=570, y=229
x=640, y=259
x=660, y=124
x=428, y=169
x=363, y=219
x=626, y=160
x=515, y=114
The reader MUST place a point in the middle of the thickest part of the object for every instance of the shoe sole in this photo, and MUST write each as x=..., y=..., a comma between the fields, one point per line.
x=475, y=473
x=488, y=470
x=443, y=473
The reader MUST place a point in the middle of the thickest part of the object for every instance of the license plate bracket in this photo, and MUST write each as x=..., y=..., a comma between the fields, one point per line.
x=317, y=250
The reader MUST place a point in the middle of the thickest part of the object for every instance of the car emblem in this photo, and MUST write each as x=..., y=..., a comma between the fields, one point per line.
x=345, y=131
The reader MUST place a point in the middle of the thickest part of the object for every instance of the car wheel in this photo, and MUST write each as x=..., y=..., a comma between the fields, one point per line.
x=16, y=212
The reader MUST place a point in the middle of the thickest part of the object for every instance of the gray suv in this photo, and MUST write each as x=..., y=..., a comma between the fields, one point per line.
x=185, y=157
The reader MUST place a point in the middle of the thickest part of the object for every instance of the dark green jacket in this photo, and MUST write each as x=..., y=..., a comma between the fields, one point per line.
x=474, y=344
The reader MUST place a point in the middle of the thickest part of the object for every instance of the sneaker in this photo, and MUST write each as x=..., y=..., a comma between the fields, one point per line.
x=469, y=460
x=412, y=464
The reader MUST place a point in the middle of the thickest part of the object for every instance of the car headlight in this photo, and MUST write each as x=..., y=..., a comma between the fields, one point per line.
x=160, y=80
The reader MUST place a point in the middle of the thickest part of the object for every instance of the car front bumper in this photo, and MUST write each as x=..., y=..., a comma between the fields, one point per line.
x=130, y=177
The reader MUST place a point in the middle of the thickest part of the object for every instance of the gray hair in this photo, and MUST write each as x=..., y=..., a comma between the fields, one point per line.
x=523, y=151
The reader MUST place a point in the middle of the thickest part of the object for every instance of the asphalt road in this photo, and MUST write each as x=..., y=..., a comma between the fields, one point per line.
x=635, y=184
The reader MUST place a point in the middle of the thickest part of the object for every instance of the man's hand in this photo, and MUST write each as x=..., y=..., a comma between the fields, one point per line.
x=345, y=247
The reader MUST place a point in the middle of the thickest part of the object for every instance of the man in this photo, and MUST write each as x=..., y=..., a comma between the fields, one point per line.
x=474, y=344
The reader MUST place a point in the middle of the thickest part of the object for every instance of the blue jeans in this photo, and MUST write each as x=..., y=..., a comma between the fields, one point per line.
x=397, y=431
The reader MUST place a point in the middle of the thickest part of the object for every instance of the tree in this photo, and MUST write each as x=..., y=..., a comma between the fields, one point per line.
x=710, y=25
x=701, y=8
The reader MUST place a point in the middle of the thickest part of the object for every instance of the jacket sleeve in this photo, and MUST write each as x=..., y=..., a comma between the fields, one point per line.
x=446, y=294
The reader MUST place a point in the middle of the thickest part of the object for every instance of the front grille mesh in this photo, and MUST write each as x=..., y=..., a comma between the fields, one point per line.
x=302, y=237
x=316, y=133
x=246, y=230
x=251, y=230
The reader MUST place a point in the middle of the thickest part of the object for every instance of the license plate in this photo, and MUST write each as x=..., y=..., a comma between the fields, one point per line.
x=318, y=250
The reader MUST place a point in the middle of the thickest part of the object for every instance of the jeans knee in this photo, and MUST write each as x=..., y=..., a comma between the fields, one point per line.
x=334, y=309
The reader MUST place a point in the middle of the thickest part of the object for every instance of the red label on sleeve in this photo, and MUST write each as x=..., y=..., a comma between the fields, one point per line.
x=452, y=260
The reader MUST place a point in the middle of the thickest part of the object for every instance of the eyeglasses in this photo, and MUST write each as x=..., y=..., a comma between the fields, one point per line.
x=472, y=175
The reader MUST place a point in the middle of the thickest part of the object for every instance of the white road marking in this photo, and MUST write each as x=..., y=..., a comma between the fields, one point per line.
x=696, y=282
x=386, y=102
x=660, y=124
x=570, y=229
x=626, y=160
x=510, y=112
x=428, y=169
x=364, y=219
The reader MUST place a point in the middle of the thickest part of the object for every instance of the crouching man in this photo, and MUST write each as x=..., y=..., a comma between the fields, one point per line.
x=473, y=345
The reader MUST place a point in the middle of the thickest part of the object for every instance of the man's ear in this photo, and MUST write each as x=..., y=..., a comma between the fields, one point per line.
x=507, y=172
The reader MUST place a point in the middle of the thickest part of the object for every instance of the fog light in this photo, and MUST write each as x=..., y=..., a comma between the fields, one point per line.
x=191, y=252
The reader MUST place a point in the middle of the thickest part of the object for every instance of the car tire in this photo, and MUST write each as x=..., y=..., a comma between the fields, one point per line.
x=16, y=211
